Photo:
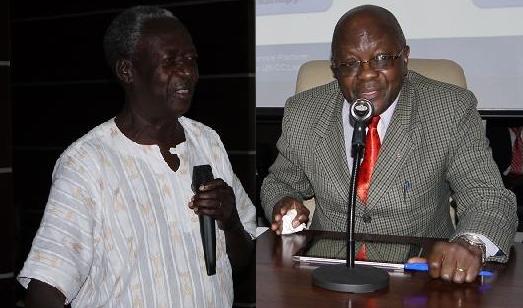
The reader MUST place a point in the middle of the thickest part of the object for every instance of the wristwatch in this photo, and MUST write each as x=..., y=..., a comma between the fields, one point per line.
x=473, y=240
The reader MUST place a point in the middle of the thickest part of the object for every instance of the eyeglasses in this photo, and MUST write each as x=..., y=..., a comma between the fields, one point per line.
x=379, y=62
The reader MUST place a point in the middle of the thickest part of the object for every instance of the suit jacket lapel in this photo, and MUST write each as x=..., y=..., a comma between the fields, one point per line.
x=399, y=139
x=330, y=147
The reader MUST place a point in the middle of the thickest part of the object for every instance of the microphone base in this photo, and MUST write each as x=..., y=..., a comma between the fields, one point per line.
x=360, y=279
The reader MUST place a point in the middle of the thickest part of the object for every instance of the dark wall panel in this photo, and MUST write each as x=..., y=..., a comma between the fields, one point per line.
x=231, y=116
x=5, y=118
x=244, y=166
x=32, y=176
x=7, y=235
x=56, y=115
x=7, y=211
x=63, y=49
x=5, y=34
x=268, y=130
x=223, y=34
x=74, y=51
x=7, y=241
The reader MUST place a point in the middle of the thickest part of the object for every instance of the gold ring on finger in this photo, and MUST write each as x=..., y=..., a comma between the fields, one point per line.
x=460, y=269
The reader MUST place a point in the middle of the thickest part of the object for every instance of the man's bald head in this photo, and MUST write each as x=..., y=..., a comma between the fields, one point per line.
x=361, y=16
x=369, y=56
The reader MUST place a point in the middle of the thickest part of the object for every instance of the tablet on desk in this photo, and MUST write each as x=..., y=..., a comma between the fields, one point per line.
x=326, y=250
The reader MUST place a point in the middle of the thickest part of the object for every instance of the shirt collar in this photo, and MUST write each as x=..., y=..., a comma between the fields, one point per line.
x=385, y=117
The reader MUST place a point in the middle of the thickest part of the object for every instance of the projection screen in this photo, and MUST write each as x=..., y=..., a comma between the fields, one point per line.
x=484, y=36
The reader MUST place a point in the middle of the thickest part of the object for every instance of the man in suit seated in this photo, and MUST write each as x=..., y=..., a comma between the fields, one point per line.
x=428, y=145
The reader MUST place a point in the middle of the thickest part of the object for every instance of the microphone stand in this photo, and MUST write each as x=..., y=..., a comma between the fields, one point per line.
x=348, y=277
x=357, y=150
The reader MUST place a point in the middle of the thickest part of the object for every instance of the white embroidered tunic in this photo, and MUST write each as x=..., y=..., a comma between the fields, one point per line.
x=117, y=230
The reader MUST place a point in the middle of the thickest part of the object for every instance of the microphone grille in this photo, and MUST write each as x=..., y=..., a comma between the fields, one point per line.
x=361, y=109
x=201, y=174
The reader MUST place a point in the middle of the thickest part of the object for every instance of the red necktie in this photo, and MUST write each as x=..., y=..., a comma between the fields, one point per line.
x=517, y=153
x=370, y=156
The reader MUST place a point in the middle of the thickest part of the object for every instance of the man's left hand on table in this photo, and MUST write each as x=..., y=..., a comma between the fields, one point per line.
x=455, y=261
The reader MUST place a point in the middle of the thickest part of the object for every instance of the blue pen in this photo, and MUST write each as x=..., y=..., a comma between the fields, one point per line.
x=424, y=267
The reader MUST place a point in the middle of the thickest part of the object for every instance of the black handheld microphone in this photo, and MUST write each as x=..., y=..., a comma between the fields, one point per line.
x=361, y=111
x=200, y=175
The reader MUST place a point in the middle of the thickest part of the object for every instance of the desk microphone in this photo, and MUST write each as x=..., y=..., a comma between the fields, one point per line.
x=348, y=277
x=201, y=175
x=361, y=111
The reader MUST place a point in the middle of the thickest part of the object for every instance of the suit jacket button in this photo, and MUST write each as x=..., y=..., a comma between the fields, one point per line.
x=367, y=218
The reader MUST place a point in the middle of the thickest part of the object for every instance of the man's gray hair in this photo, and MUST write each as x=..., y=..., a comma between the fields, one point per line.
x=125, y=30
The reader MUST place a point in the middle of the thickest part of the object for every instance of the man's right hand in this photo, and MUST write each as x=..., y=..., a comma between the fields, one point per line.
x=285, y=204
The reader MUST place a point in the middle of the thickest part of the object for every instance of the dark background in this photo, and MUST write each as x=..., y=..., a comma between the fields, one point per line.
x=61, y=88
x=7, y=225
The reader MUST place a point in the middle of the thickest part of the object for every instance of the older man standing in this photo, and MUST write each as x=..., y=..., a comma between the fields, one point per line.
x=428, y=144
x=121, y=224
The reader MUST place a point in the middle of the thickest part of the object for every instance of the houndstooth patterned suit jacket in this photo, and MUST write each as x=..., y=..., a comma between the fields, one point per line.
x=435, y=147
